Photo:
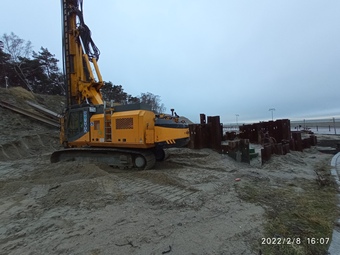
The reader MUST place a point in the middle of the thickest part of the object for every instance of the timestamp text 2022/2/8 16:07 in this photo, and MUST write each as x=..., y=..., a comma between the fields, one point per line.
x=294, y=240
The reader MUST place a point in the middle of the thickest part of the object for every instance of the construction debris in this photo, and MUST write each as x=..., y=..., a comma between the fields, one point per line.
x=45, y=111
x=31, y=114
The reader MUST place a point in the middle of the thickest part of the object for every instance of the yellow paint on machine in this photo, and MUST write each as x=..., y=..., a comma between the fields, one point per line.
x=133, y=128
x=129, y=129
x=169, y=135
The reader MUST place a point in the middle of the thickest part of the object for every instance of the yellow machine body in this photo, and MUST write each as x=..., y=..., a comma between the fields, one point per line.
x=128, y=129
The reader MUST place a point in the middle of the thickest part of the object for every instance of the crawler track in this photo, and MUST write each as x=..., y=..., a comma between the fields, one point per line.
x=121, y=158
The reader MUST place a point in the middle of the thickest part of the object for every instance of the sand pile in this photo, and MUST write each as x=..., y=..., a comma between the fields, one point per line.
x=19, y=93
x=22, y=136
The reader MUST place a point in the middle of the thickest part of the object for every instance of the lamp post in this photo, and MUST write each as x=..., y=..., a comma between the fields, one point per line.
x=272, y=110
x=6, y=79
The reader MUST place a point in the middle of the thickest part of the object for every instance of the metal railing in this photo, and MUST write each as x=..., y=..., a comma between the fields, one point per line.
x=317, y=126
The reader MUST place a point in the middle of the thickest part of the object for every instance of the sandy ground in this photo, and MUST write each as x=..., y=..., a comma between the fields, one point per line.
x=188, y=204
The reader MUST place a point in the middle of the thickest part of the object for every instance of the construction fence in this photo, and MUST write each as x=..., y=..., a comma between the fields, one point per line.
x=325, y=126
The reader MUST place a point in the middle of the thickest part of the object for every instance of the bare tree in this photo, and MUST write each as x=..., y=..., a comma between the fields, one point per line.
x=18, y=49
x=154, y=101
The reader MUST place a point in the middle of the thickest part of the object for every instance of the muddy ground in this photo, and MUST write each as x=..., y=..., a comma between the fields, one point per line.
x=188, y=204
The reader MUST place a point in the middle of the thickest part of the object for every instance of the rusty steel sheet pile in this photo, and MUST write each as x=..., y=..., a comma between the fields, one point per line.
x=275, y=137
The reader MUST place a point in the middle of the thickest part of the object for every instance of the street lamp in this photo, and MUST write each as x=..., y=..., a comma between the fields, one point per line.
x=6, y=78
x=272, y=110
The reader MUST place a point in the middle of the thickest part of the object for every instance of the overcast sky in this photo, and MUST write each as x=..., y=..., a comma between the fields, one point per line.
x=218, y=57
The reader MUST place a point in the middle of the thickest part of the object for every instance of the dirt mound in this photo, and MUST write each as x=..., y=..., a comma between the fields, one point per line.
x=199, y=159
x=20, y=93
x=67, y=184
x=72, y=184
x=22, y=136
x=29, y=145
x=19, y=96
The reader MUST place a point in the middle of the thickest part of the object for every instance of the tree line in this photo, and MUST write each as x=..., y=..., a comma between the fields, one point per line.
x=39, y=73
